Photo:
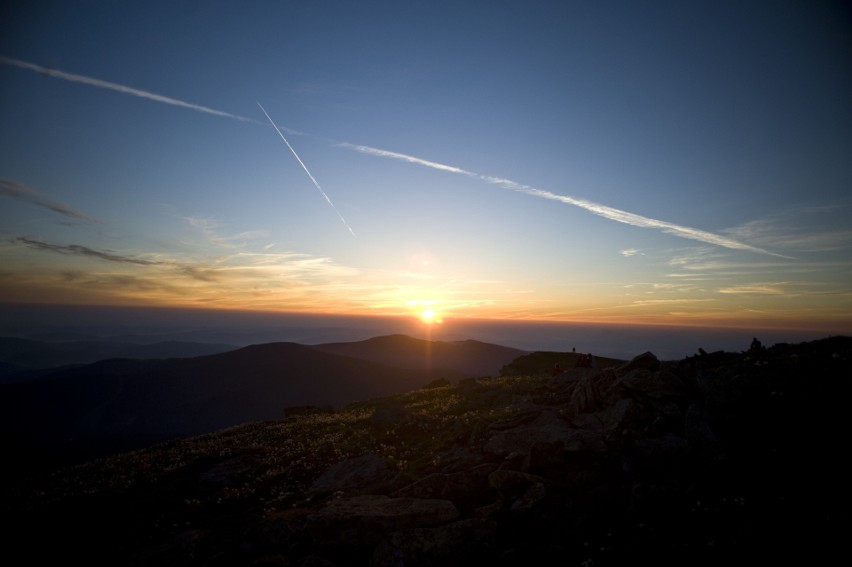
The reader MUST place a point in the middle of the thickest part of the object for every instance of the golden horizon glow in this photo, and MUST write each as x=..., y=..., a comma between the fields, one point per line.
x=244, y=289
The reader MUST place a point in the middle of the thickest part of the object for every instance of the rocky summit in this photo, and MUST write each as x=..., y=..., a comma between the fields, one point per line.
x=718, y=459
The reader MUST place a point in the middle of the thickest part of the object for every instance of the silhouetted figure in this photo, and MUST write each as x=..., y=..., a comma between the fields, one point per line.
x=755, y=345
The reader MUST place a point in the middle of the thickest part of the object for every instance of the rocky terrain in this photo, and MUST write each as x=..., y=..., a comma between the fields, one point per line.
x=717, y=459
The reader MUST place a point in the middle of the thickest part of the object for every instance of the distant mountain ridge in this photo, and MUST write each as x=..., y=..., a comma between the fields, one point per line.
x=22, y=359
x=471, y=357
x=124, y=404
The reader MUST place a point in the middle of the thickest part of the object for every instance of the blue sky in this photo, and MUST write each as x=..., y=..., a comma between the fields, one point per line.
x=658, y=162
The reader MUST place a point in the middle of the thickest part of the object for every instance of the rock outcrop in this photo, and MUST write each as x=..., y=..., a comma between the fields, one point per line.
x=715, y=459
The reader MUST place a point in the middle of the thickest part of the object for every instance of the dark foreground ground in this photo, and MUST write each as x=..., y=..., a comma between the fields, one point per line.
x=717, y=459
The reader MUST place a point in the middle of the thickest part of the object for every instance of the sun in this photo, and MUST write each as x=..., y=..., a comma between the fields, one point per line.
x=431, y=316
x=426, y=311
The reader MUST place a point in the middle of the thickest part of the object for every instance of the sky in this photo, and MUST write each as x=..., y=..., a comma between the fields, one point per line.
x=664, y=163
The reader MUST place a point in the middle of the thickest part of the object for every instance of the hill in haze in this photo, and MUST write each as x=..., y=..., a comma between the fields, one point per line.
x=26, y=359
x=123, y=404
x=717, y=459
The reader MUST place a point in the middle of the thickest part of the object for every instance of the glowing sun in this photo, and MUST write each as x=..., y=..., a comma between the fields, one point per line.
x=430, y=316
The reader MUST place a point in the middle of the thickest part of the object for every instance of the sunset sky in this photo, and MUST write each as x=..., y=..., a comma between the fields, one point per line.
x=644, y=162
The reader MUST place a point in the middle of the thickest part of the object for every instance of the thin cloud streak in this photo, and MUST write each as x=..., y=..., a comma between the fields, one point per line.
x=406, y=158
x=317, y=185
x=25, y=193
x=604, y=211
x=56, y=73
x=78, y=250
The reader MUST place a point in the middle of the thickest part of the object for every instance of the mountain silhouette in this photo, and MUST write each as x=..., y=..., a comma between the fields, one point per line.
x=124, y=404
x=471, y=357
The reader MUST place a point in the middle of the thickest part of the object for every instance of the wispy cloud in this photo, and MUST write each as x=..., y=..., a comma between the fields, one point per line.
x=787, y=288
x=705, y=261
x=807, y=229
x=56, y=73
x=405, y=158
x=644, y=302
x=631, y=252
x=200, y=273
x=78, y=250
x=755, y=289
x=209, y=228
x=247, y=267
x=604, y=211
x=15, y=190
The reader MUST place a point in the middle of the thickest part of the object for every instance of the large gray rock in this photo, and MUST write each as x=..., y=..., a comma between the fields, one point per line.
x=546, y=426
x=367, y=519
x=365, y=474
x=548, y=429
x=593, y=391
x=457, y=458
x=458, y=486
x=623, y=416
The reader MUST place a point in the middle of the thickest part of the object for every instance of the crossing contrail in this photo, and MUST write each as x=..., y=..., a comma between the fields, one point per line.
x=56, y=73
x=317, y=185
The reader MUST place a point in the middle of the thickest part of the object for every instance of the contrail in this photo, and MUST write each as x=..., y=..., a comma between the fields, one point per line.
x=604, y=211
x=120, y=88
x=166, y=100
x=317, y=185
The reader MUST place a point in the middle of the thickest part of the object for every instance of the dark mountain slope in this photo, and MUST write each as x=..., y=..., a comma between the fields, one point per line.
x=126, y=404
x=472, y=357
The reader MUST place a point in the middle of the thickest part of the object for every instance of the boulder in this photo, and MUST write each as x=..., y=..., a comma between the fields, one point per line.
x=459, y=487
x=546, y=426
x=645, y=361
x=367, y=519
x=360, y=475
x=593, y=391
x=624, y=415
x=457, y=458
